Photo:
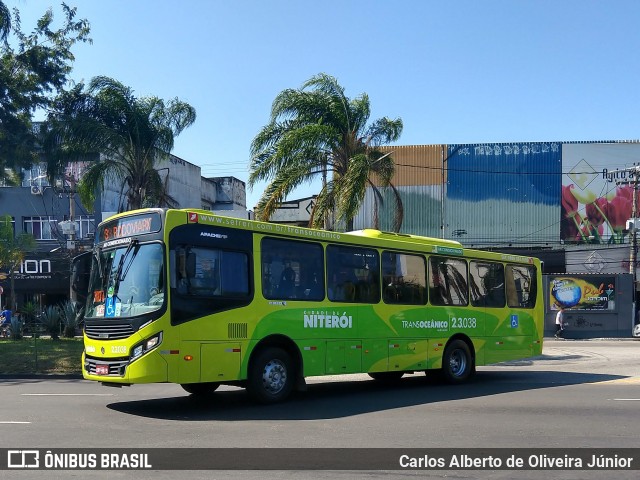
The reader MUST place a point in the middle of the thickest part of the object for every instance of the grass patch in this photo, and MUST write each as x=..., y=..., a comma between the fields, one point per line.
x=41, y=355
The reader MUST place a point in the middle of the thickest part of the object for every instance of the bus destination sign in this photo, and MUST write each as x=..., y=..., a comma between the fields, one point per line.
x=130, y=226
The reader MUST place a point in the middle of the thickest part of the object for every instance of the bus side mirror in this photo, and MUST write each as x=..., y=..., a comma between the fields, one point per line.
x=80, y=269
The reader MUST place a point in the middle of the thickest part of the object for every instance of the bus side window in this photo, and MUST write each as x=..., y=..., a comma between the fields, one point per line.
x=182, y=275
x=234, y=273
x=521, y=286
x=487, y=284
x=206, y=272
x=353, y=274
x=404, y=278
x=291, y=269
x=448, y=281
x=494, y=285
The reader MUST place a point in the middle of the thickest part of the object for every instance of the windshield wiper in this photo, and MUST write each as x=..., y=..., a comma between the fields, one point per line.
x=120, y=276
x=96, y=255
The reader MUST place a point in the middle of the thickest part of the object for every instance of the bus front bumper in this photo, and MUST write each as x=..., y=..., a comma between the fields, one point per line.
x=150, y=368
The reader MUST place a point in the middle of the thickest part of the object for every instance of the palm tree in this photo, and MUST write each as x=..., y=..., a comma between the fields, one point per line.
x=131, y=135
x=5, y=21
x=317, y=129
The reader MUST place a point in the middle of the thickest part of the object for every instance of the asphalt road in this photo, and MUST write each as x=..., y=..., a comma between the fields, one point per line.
x=579, y=394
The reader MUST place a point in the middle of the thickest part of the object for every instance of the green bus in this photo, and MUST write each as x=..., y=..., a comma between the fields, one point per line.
x=189, y=297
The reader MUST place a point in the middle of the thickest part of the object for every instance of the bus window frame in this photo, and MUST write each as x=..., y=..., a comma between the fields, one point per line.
x=444, y=291
x=393, y=293
x=299, y=292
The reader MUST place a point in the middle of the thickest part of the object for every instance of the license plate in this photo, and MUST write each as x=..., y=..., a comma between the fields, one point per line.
x=102, y=369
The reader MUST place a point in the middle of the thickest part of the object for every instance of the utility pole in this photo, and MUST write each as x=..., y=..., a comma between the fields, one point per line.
x=69, y=226
x=442, y=162
x=72, y=211
x=634, y=230
x=632, y=226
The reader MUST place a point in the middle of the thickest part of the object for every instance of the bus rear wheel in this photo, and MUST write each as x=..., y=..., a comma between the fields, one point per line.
x=200, y=389
x=270, y=376
x=457, y=362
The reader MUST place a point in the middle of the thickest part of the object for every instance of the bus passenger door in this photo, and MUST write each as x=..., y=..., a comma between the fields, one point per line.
x=344, y=356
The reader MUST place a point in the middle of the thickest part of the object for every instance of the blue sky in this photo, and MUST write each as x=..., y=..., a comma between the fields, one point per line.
x=454, y=71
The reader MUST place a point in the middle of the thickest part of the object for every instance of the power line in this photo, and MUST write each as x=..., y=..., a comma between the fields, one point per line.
x=449, y=169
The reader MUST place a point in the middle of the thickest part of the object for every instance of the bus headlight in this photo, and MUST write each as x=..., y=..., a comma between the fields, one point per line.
x=146, y=346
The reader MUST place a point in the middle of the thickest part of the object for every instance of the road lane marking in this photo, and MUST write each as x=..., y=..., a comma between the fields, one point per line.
x=626, y=399
x=626, y=381
x=12, y=423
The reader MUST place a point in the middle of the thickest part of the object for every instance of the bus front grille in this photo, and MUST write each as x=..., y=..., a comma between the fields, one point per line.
x=109, y=332
x=116, y=366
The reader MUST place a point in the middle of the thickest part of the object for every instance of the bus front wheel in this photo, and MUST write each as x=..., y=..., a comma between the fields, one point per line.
x=457, y=362
x=199, y=389
x=270, y=376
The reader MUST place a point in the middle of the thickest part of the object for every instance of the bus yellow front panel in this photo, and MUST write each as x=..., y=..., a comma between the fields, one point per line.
x=151, y=368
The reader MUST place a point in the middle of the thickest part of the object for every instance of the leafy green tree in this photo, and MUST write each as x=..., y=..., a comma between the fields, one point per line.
x=318, y=129
x=131, y=134
x=12, y=251
x=31, y=75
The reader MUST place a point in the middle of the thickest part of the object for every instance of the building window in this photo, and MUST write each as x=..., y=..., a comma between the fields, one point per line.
x=85, y=226
x=35, y=177
x=42, y=228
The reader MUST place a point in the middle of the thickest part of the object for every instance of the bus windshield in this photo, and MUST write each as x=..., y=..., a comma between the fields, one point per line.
x=127, y=281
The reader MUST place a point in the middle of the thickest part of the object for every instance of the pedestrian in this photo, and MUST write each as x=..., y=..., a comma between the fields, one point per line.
x=559, y=325
x=5, y=318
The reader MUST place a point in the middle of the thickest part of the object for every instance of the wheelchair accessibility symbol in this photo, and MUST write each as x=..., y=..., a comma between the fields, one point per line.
x=110, y=307
x=514, y=321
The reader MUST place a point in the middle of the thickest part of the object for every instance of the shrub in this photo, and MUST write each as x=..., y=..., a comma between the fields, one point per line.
x=28, y=314
x=16, y=328
x=71, y=318
x=50, y=319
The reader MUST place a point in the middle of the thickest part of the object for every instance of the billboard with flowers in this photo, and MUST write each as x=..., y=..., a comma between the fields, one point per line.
x=597, y=191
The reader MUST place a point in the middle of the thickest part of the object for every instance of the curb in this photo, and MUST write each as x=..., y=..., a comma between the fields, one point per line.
x=40, y=376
